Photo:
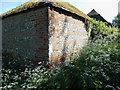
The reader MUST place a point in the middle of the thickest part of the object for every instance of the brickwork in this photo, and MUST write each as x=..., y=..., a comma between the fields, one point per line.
x=66, y=36
x=43, y=34
x=26, y=34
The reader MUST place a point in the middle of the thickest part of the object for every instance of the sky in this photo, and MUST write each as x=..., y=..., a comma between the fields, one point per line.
x=107, y=8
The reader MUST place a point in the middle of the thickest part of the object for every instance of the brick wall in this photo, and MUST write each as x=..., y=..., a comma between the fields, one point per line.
x=66, y=36
x=25, y=34
x=28, y=35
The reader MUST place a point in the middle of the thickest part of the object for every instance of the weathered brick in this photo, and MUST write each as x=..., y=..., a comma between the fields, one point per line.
x=24, y=31
x=43, y=35
x=65, y=33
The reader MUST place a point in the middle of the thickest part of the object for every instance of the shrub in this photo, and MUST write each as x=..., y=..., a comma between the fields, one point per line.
x=99, y=28
x=96, y=67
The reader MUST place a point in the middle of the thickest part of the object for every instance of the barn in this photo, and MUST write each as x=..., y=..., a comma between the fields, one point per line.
x=46, y=31
x=95, y=15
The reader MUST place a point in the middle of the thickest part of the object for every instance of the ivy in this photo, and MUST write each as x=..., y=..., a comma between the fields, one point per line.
x=99, y=28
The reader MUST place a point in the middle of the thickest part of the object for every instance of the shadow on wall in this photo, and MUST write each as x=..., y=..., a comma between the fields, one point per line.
x=65, y=40
x=64, y=53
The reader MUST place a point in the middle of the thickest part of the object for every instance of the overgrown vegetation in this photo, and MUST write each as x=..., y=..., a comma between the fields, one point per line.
x=116, y=21
x=97, y=67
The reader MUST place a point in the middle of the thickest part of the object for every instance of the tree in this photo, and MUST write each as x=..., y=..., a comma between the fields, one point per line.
x=116, y=21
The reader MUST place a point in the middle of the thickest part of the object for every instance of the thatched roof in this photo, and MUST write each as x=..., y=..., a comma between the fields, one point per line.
x=95, y=15
x=34, y=3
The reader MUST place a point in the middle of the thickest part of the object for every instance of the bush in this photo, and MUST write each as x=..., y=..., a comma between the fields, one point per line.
x=97, y=67
x=99, y=28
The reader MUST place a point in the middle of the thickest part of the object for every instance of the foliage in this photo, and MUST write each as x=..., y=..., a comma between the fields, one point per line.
x=116, y=21
x=99, y=28
x=96, y=67
x=12, y=80
x=15, y=62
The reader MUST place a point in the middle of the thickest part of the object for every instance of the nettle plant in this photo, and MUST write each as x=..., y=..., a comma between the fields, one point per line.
x=96, y=67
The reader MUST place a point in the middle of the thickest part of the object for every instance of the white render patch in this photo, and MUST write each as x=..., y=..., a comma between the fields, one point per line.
x=66, y=36
x=60, y=25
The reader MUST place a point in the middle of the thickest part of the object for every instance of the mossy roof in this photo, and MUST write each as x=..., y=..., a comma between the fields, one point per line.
x=34, y=3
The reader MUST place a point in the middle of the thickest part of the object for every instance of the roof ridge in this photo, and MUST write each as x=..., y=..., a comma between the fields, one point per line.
x=33, y=3
x=93, y=12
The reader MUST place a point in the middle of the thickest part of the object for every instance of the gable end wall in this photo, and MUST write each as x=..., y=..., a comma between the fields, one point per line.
x=67, y=35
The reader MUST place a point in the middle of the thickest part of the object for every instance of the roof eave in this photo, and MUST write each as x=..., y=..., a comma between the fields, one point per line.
x=6, y=14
